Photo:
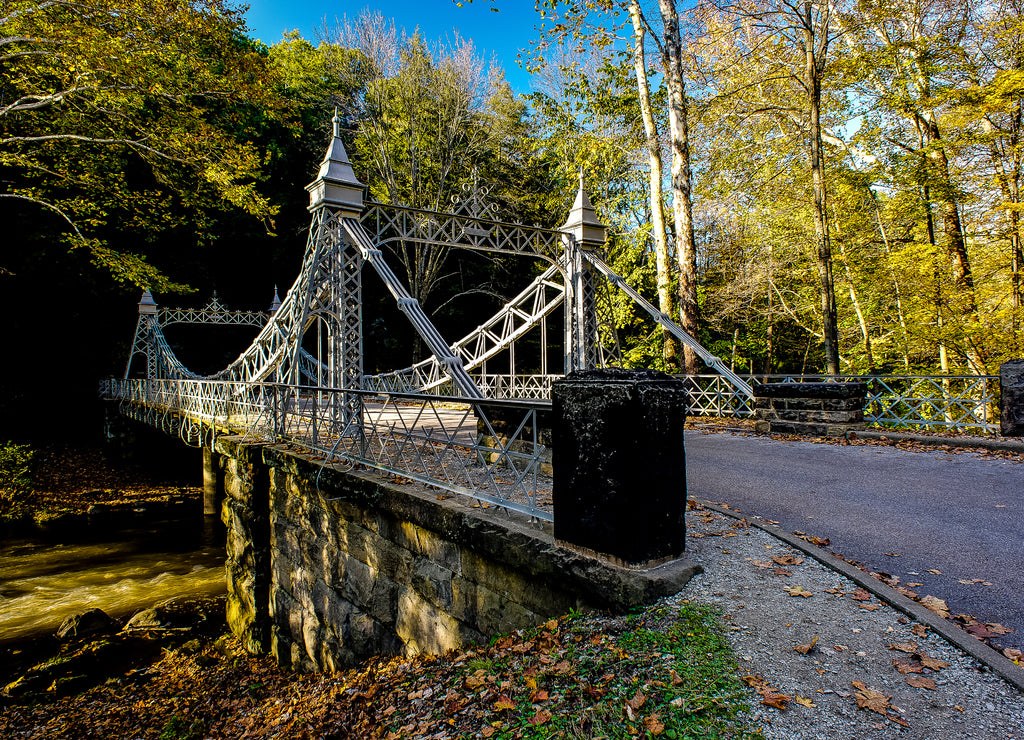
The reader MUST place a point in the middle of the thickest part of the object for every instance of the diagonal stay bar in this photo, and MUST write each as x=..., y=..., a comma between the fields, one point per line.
x=709, y=359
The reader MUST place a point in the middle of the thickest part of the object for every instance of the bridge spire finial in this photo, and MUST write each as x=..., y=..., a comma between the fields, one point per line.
x=275, y=304
x=147, y=306
x=583, y=222
x=336, y=184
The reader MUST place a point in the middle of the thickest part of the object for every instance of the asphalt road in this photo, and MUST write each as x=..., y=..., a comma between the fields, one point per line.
x=900, y=512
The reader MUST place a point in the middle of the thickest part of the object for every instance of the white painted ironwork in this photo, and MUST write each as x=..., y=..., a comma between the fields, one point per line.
x=514, y=320
x=280, y=389
x=434, y=440
x=214, y=312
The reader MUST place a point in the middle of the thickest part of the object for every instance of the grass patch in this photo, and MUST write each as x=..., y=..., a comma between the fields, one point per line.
x=665, y=672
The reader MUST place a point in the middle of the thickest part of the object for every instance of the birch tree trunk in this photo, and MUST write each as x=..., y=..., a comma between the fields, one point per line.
x=670, y=349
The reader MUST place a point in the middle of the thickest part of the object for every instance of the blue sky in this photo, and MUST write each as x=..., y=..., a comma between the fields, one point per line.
x=502, y=34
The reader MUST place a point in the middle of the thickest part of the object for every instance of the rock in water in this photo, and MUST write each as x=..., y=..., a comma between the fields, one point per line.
x=85, y=624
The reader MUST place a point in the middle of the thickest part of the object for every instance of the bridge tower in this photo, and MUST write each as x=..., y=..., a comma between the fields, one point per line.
x=585, y=233
x=333, y=298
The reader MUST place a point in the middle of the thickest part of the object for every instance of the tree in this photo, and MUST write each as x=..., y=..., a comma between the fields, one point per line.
x=109, y=105
x=787, y=41
x=682, y=204
x=653, y=142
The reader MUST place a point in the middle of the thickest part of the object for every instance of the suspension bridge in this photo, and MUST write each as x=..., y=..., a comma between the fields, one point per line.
x=301, y=380
x=444, y=421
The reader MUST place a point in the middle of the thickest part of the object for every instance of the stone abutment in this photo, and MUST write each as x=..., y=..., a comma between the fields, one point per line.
x=327, y=567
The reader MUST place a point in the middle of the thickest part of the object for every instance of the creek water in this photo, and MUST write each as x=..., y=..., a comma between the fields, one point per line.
x=118, y=569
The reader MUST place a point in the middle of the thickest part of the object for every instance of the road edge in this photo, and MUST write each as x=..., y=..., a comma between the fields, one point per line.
x=992, y=659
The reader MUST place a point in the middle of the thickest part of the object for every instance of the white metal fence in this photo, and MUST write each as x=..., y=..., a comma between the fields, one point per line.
x=435, y=440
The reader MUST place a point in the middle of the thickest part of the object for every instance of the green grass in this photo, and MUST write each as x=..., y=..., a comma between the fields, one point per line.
x=665, y=673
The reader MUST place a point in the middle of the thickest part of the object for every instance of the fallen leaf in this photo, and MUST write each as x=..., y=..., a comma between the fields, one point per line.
x=787, y=559
x=980, y=631
x=936, y=605
x=637, y=701
x=908, y=666
x=933, y=663
x=919, y=629
x=804, y=701
x=782, y=572
x=860, y=595
x=761, y=563
x=893, y=554
x=504, y=703
x=933, y=571
x=870, y=607
x=654, y=725
x=487, y=731
x=997, y=629
x=904, y=647
x=551, y=626
x=1013, y=654
x=868, y=698
x=773, y=699
x=798, y=591
x=542, y=716
x=804, y=649
x=921, y=682
x=675, y=677
x=541, y=695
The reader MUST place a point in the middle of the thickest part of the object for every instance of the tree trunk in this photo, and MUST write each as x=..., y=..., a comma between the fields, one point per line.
x=814, y=64
x=682, y=206
x=670, y=350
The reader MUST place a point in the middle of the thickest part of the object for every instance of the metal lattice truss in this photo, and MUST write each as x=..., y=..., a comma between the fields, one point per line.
x=515, y=319
x=213, y=312
x=302, y=379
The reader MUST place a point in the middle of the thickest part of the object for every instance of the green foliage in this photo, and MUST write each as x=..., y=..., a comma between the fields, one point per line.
x=669, y=675
x=16, y=468
x=129, y=114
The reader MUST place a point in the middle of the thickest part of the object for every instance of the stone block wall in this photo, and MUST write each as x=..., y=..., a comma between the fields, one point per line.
x=359, y=567
x=246, y=516
x=813, y=409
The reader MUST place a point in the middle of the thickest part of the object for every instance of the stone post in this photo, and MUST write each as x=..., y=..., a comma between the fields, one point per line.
x=813, y=409
x=619, y=466
x=1011, y=393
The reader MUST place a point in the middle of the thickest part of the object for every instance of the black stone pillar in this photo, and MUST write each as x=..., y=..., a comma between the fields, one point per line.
x=1011, y=404
x=619, y=466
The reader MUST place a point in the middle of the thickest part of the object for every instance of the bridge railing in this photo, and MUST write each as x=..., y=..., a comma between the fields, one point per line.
x=435, y=440
x=961, y=403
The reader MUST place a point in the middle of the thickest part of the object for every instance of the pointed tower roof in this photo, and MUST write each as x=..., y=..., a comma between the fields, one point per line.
x=276, y=303
x=147, y=306
x=583, y=222
x=336, y=184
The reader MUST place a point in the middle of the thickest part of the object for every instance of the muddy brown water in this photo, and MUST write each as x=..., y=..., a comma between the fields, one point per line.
x=117, y=566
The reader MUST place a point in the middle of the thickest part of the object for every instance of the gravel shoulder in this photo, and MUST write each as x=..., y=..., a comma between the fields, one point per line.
x=855, y=634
